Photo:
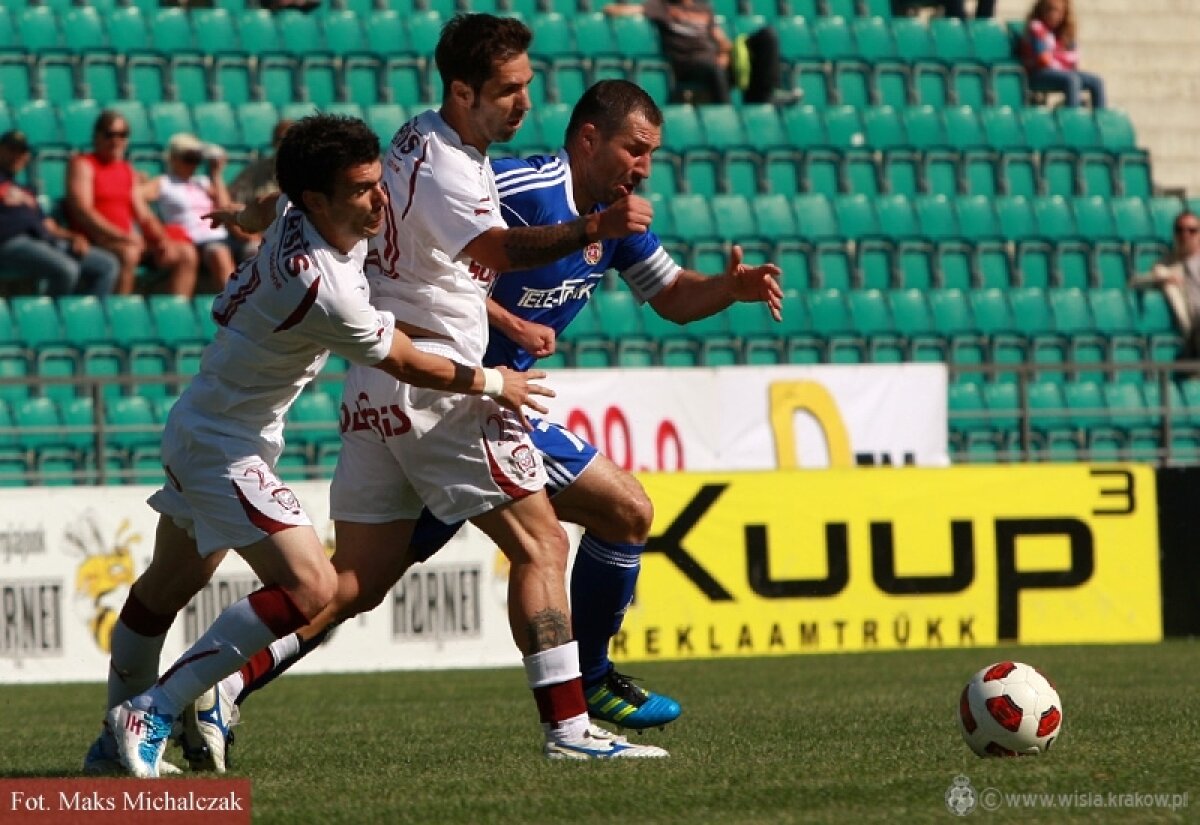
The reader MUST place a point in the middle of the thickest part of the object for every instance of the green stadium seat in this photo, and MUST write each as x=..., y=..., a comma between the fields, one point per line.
x=16, y=69
x=1116, y=130
x=990, y=41
x=913, y=40
x=131, y=423
x=873, y=39
x=831, y=320
x=935, y=217
x=1040, y=128
x=1079, y=127
x=343, y=32
x=852, y=83
x=883, y=128
x=1002, y=401
x=1009, y=85
x=897, y=219
x=913, y=320
x=1097, y=175
x=148, y=79
x=1134, y=173
x=964, y=129
x=299, y=33
x=637, y=37
x=762, y=338
x=8, y=30
x=891, y=84
x=37, y=29
x=815, y=217
x=872, y=319
x=216, y=123
x=257, y=120
x=101, y=76
x=951, y=40
x=129, y=320
x=622, y=319
x=846, y=9
x=902, y=172
x=1133, y=220
x=215, y=30
x=967, y=411
x=1163, y=212
x=859, y=173
x=796, y=41
x=127, y=30
x=170, y=118
x=932, y=84
x=83, y=320
x=38, y=119
x=1047, y=407
x=171, y=31
x=834, y=266
x=257, y=32
x=37, y=321
x=83, y=30
x=594, y=36
x=39, y=424
x=235, y=78
x=856, y=217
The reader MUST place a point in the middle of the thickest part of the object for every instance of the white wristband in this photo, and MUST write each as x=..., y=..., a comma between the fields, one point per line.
x=493, y=382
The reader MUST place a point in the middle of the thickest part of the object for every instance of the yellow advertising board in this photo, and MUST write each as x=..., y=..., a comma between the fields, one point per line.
x=885, y=559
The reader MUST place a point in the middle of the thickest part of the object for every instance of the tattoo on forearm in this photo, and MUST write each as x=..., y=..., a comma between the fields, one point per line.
x=548, y=628
x=529, y=246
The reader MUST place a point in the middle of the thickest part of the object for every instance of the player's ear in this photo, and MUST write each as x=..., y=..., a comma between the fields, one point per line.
x=589, y=136
x=315, y=203
x=462, y=93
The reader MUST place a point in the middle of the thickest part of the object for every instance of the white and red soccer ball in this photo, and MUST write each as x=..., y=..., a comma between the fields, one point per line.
x=1009, y=709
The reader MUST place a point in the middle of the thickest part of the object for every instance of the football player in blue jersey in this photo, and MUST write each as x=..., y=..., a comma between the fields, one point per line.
x=612, y=134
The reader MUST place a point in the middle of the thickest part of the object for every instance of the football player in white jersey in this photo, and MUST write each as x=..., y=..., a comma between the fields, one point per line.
x=464, y=457
x=279, y=316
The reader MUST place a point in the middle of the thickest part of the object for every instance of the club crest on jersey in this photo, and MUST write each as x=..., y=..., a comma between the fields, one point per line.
x=592, y=253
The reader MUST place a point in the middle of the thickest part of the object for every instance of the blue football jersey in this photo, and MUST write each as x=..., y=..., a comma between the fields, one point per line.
x=537, y=191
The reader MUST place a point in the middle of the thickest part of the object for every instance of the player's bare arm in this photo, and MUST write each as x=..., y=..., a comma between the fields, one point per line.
x=252, y=218
x=694, y=295
x=528, y=246
x=510, y=389
x=536, y=339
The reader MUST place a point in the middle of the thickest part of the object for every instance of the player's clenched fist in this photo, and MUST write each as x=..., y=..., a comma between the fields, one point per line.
x=631, y=215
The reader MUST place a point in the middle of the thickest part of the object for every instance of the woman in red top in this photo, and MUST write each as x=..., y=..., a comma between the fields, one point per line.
x=105, y=204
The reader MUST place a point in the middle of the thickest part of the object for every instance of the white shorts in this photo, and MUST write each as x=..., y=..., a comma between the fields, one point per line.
x=404, y=448
x=221, y=497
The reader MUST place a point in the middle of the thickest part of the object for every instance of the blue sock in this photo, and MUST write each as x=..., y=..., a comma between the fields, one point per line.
x=602, y=583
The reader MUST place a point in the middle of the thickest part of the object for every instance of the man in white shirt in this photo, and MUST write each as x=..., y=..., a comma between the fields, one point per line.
x=444, y=240
x=280, y=315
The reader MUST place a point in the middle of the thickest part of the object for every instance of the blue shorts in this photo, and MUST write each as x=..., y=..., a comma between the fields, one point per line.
x=565, y=456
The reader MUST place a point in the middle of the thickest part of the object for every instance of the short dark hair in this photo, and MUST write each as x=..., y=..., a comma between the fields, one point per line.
x=608, y=104
x=105, y=120
x=1187, y=213
x=472, y=44
x=318, y=147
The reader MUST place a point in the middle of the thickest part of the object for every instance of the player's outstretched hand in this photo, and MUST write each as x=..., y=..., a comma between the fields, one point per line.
x=631, y=215
x=519, y=391
x=755, y=283
x=226, y=217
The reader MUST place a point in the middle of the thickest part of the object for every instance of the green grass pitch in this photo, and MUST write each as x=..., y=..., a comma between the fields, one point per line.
x=821, y=739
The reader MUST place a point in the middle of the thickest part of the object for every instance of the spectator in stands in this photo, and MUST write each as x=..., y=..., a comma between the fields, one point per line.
x=253, y=183
x=105, y=204
x=703, y=56
x=1048, y=51
x=1178, y=276
x=33, y=245
x=185, y=197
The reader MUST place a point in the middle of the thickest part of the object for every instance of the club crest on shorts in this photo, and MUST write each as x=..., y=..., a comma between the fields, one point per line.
x=286, y=499
x=523, y=458
x=592, y=253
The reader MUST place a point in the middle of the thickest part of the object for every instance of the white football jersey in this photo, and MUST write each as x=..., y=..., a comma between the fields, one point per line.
x=278, y=318
x=442, y=196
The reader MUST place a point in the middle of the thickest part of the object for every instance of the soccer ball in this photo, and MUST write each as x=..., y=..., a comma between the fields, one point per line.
x=1009, y=709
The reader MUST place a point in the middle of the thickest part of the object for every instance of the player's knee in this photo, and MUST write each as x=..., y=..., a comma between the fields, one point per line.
x=315, y=590
x=636, y=514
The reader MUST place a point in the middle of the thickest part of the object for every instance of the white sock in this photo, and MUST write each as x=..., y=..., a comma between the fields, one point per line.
x=133, y=663
x=553, y=667
x=236, y=635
